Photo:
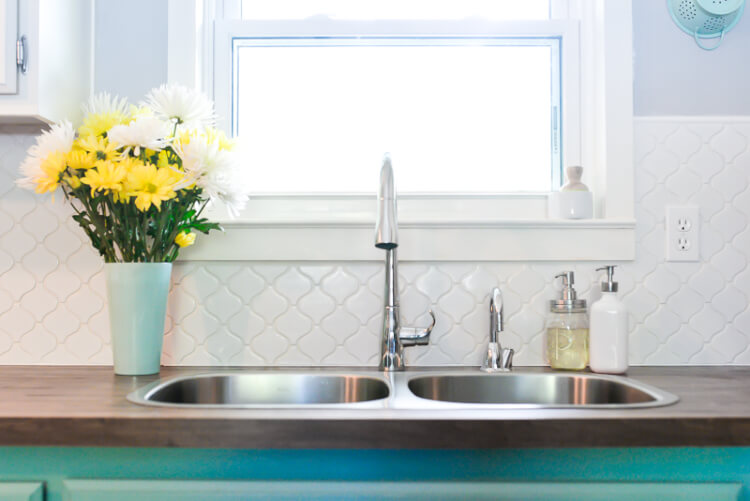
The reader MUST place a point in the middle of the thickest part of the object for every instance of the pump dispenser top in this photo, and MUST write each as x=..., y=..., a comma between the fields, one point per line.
x=568, y=300
x=609, y=285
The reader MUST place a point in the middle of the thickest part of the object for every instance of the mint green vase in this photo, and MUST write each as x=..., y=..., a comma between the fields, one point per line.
x=137, y=295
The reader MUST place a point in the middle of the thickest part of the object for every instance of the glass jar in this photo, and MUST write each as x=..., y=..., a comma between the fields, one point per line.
x=567, y=335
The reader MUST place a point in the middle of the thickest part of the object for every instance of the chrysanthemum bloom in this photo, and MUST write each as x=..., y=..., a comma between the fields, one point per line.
x=52, y=168
x=151, y=186
x=58, y=139
x=215, y=170
x=80, y=159
x=103, y=112
x=106, y=176
x=182, y=105
x=145, y=132
x=100, y=147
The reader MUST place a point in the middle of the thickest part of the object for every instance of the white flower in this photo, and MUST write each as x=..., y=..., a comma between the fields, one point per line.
x=105, y=103
x=59, y=137
x=186, y=106
x=143, y=132
x=216, y=171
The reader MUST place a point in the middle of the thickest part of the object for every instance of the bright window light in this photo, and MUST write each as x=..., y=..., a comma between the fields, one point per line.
x=396, y=9
x=473, y=117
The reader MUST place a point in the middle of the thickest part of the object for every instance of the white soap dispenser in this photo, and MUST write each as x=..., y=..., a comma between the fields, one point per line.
x=608, y=330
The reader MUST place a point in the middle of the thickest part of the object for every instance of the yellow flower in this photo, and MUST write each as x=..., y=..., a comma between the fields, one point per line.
x=96, y=124
x=99, y=146
x=106, y=176
x=73, y=181
x=52, y=168
x=209, y=135
x=163, y=161
x=80, y=159
x=151, y=186
x=139, y=111
x=183, y=138
x=185, y=239
x=218, y=136
x=129, y=164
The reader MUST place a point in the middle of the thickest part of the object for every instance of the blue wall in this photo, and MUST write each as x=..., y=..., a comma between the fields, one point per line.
x=130, y=54
x=675, y=77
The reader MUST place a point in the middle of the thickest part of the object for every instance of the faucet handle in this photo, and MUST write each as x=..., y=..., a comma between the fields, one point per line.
x=412, y=336
x=497, y=359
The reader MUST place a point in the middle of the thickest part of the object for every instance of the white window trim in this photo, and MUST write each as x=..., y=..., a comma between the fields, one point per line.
x=455, y=227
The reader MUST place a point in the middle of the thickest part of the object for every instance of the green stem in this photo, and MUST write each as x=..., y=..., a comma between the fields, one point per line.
x=100, y=228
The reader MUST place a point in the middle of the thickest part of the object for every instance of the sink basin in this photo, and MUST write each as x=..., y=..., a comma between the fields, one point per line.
x=539, y=390
x=259, y=389
x=409, y=390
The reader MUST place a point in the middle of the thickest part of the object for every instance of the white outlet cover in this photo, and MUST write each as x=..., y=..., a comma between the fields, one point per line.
x=676, y=235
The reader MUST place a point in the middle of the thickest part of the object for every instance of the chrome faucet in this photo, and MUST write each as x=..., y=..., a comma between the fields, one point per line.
x=394, y=336
x=497, y=358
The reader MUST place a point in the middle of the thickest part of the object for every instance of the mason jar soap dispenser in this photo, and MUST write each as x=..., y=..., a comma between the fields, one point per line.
x=609, y=329
x=567, y=334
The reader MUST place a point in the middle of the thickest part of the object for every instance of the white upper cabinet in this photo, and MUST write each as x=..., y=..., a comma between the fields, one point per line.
x=57, y=54
x=8, y=38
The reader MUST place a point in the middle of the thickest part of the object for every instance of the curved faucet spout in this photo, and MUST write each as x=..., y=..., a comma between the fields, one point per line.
x=386, y=227
x=394, y=336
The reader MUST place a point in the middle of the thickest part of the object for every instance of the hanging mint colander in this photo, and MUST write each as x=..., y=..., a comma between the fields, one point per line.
x=706, y=18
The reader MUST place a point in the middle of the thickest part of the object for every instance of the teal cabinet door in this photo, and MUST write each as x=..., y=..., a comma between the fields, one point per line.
x=21, y=491
x=206, y=490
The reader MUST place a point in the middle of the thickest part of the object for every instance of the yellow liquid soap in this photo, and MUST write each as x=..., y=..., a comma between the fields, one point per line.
x=568, y=348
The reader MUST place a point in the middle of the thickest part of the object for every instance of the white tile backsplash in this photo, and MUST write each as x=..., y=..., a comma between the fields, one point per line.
x=53, y=308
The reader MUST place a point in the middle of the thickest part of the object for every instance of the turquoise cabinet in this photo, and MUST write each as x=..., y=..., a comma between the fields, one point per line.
x=151, y=474
x=21, y=491
x=203, y=490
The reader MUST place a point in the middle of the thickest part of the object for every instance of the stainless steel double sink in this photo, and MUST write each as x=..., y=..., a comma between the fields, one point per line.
x=401, y=390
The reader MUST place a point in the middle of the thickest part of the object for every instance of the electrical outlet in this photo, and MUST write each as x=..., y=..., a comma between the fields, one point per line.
x=683, y=224
x=683, y=244
x=682, y=231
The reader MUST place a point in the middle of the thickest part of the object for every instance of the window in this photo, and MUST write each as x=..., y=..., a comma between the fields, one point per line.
x=320, y=114
x=320, y=89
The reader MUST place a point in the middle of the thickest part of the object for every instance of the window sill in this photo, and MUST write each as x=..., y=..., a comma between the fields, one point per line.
x=352, y=239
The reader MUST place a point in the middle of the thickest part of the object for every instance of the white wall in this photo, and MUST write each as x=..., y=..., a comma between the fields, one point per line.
x=131, y=47
x=673, y=76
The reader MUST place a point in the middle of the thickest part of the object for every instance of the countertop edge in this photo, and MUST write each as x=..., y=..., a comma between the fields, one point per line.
x=373, y=433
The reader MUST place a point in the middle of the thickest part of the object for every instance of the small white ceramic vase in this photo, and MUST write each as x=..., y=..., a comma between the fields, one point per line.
x=574, y=200
x=137, y=296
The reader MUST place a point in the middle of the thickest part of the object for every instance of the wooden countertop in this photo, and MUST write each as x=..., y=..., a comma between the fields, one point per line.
x=86, y=406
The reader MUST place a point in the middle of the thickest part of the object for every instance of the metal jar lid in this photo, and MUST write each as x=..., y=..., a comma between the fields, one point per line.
x=567, y=305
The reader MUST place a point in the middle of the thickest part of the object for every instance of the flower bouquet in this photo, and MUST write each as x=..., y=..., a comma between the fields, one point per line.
x=138, y=179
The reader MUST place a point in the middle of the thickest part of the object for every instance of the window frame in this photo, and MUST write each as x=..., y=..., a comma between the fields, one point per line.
x=597, y=101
